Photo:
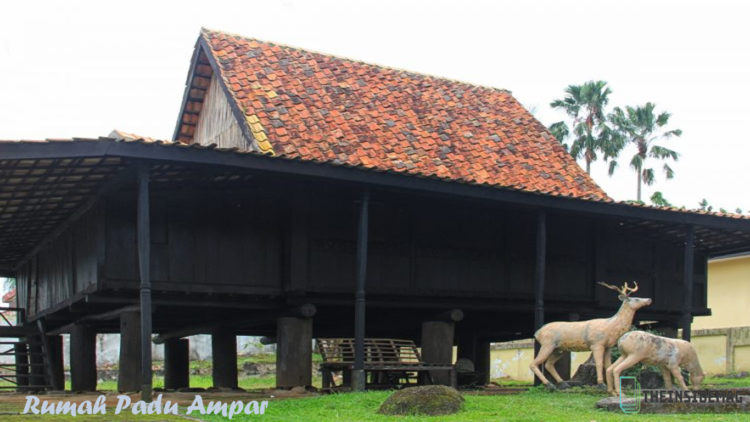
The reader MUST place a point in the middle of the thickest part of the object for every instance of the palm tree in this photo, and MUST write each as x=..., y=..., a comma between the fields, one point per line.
x=643, y=127
x=585, y=105
x=560, y=131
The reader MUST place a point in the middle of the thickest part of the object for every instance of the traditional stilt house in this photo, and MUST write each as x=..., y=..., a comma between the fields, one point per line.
x=299, y=187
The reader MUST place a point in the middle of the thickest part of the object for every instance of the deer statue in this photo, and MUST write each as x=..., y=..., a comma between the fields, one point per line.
x=669, y=354
x=597, y=335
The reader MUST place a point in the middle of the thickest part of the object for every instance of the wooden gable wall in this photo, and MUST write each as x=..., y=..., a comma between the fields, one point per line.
x=216, y=123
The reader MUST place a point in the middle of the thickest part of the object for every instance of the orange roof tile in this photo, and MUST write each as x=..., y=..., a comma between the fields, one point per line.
x=311, y=106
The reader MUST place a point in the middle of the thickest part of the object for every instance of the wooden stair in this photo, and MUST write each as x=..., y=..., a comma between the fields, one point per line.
x=27, y=344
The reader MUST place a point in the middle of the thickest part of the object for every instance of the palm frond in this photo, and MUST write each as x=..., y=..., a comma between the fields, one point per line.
x=648, y=176
x=668, y=172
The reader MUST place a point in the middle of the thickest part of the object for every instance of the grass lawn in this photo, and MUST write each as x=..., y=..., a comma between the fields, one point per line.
x=535, y=405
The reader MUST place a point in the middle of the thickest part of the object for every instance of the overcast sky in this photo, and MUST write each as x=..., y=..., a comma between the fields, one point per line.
x=84, y=68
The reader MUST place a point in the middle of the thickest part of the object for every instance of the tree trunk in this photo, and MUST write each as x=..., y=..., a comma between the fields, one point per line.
x=639, y=184
x=588, y=166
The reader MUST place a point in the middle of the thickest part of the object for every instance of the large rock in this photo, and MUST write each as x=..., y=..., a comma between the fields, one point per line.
x=424, y=400
x=586, y=373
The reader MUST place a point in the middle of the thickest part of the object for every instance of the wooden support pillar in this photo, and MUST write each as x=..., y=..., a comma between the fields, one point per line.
x=176, y=364
x=483, y=364
x=224, y=358
x=466, y=341
x=36, y=364
x=293, y=352
x=687, y=283
x=82, y=358
x=144, y=265
x=22, y=365
x=129, y=378
x=57, y=373
x=539, y=276
x=358, y=372
x=437, y=347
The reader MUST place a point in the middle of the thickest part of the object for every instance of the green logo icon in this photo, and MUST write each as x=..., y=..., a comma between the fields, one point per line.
x=630, y=395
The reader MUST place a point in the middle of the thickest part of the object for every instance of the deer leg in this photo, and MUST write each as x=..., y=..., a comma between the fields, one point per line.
x=678, y=376
x=667, y=377
x=542, y=356
x=626, y=363
x=598, y=352
x=610, y=377
x=550, y=365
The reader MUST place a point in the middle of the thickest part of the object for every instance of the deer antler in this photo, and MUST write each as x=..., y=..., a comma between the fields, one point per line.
x=624, y=290
x=609, y=286
x=627, y=290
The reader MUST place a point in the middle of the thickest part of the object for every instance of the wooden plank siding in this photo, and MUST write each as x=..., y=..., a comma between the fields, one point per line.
x=64, y=267
x=216, y=123
x=272, y=239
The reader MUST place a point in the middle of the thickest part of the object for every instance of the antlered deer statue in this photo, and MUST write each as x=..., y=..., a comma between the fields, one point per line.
x=598, y=335
x=669, y=354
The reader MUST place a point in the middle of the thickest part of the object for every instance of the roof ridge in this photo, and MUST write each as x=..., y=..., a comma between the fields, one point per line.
x=362, y=62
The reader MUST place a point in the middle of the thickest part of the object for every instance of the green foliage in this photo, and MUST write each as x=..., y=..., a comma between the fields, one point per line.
x=658, y=199
x=591, y=137
x=642, y=127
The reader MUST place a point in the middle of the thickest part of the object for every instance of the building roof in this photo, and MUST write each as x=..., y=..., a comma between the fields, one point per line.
x=310, y=106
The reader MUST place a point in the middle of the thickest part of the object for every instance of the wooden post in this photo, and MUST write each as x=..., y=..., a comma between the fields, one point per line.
x=129, y=378
x=144, y=263
x=82, y=358
x=224, y=358
x=467, y=345
x=358, y=372
x=293, y=352
x=687, y=283
x=176, y=364
x=437, y=347
x=483, y=364
x=22, y=365
x=539, y=274
x=36, y=362
x=56, y=370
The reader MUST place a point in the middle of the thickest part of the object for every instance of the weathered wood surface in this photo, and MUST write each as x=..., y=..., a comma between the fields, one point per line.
x=216, y=123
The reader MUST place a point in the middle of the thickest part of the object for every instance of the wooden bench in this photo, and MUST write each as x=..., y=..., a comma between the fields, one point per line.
x=387, y=362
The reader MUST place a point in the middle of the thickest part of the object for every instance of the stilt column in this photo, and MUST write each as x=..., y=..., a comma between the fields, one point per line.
x=129, y=378
x=293, y=352
x=82, y=358
x=56, y=362
x=437, y=347
x=176, y=363
x=224, y=360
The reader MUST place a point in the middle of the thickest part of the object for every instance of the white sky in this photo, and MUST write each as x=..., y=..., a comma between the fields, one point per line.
x=83, y=68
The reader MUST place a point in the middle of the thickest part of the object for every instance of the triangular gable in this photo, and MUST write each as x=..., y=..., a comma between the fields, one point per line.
x=209, y=115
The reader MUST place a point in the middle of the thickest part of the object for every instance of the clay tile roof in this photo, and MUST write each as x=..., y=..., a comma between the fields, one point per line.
x=311, y=106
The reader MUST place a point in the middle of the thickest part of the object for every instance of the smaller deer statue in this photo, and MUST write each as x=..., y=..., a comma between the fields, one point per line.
x=669, y=354
x=598, y=335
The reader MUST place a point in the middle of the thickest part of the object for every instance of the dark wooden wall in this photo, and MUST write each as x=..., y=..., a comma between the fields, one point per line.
x=67, y=265
x=267, y=241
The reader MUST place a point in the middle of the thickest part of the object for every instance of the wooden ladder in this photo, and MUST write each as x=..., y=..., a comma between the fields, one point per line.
x=24, y=360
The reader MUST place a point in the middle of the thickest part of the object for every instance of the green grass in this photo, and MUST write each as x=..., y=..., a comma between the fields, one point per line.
x=721, y=382
x=534, y=405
